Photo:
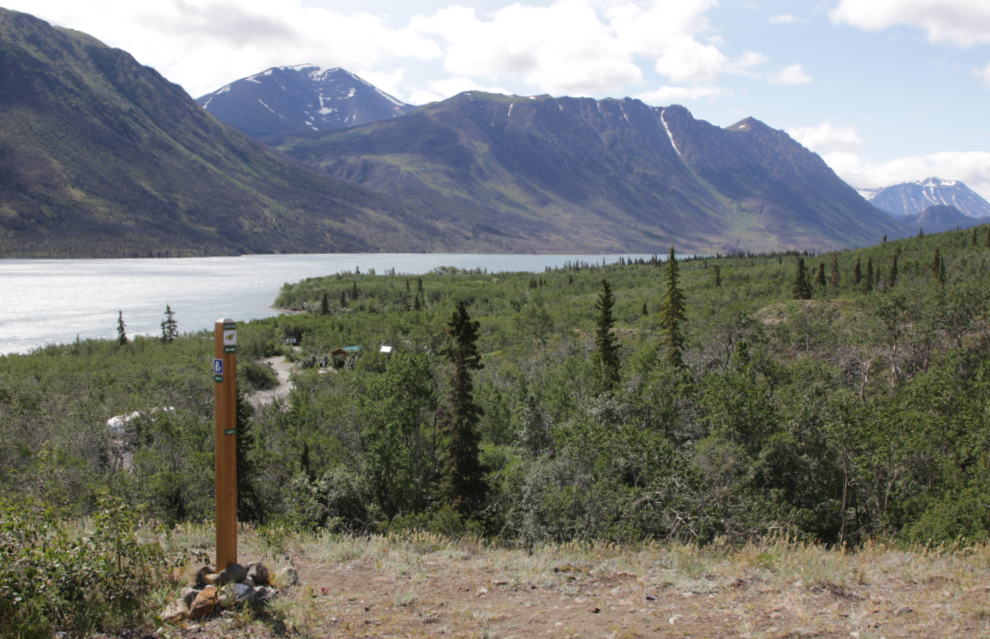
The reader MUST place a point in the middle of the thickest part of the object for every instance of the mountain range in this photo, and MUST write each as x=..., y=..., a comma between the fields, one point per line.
x=101, y=156
x=912, y=198
x=300, y=98
x=616, y=171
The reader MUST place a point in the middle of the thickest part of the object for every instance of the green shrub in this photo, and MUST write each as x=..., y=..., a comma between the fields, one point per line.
x=52, y=580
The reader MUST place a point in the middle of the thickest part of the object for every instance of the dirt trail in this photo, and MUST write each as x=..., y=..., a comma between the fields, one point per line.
x=283, y=369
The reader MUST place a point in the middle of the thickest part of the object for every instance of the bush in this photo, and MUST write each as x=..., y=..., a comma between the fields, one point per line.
x=258, y=376
x=51, y=581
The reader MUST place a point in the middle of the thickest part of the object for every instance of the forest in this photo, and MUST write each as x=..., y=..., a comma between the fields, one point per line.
x=835, y=398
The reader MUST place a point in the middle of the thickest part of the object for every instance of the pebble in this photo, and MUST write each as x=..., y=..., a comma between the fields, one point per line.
x=289, y=576
x=258, y=573
x=235, y=573
x=903, y=610
x=176, y=611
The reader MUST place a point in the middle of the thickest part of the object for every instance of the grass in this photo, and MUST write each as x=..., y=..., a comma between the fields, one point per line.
x=421, y=583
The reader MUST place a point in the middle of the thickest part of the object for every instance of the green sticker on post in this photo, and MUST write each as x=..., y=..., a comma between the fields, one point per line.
x=230, y=349
x=229, y=327
x=218, y=379
x=230, y=431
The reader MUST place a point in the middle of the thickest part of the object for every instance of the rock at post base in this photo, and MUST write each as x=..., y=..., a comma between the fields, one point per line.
x=245, y=593
x=204, y=603
x=234, y=573
x=176, y=611
x=259, y=574
x=189, y=595
x=201, y=574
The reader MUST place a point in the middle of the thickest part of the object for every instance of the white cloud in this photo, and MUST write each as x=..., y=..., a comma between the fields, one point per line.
x=963, y=22
x=577, y=47
x=983, y=74
x=972, y=168
x=785, y=18
x=792, y=74
x=671, y=95
x=826, y=137
x=204, y=44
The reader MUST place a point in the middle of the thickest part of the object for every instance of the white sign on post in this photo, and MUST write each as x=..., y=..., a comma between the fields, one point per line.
x=230, y=341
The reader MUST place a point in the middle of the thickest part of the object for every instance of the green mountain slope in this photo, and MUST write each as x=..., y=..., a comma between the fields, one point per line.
x=617, y=174
x=100, y=156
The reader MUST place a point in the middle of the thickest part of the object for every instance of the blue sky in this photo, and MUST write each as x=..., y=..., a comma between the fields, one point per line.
x=885, y=90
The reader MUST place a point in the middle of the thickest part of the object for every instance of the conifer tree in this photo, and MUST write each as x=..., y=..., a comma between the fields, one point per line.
x=868, y=280
x=354, y=292
x=170, y=328
x=325, y=304
x=802, y=287
x=893, y=272
x=987, y=242
x=820, y=280
x=941, y=270
x=936, y=261
x=857, y=273
x=835, y=271
x=462, y=480
x=249, y=506
x=419, y=284
x=606, y=355
x=973, y=240
x=718, y=276
x=343, y=299
x=416, y=303
x=121, y=333
x=921, y=232
x=673, y=311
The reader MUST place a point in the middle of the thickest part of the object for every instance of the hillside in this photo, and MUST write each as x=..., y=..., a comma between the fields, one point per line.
x=620, y=174
x=300, y=98
x=938, y=218
x=100, y=156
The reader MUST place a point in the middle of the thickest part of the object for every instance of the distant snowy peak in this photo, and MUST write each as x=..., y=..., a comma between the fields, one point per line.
x=301, y=97
x=911, y=198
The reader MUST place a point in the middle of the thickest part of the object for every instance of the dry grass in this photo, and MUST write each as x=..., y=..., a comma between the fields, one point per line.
x=421, y=585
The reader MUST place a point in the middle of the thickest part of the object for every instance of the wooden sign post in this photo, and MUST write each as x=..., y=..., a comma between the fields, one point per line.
x=225, y=434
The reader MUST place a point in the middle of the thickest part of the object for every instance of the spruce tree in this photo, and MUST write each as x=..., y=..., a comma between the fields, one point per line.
x=325, y=304
x=835, y=271
x=462, y=479
x=606, y=356
x=820, y=280
x=857, y=273
x=416, y=303
x=802, y=288
x=354, y=292
x=121, y=333
x=893, y=272
x=718, y=276
x=249, y=506
x=973, y=240
x=343, y=299
x=936, y=261
x=987, y=242
x=673, y=311
x=868, y=280
x=170, y=328
x=941, y=270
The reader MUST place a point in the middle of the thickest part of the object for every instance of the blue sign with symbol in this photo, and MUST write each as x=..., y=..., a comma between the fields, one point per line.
x=218, y=367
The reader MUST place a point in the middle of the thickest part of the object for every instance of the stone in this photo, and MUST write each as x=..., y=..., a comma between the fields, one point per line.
x=259, y=574
x=200, y=580
x=235, y=573
x=223, y=602
x=903, y=610
x=211, y=579
x=249, y=582
x=482, y=592
x=204, y=603
x=736, y=582
x=289, y=576
x=245, y=593
x=176, y=611
x=189, y=595
x=265, y=594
